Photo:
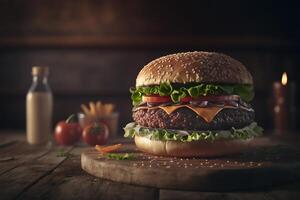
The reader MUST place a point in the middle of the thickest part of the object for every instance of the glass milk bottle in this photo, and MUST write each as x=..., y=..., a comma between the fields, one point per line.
x=39, y=103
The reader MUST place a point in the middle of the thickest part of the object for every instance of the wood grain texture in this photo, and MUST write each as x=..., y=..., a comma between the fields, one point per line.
x=18, y=179
x=68, y=181
x=143, y=41
x=145, y=18
x=52, y=177
x=176, y=195
x=258, y=168
x=290, y=191
x=20, y=153
x=14, y=151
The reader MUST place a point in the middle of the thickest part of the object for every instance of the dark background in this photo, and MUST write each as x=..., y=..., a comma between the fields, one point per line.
x=96, y=48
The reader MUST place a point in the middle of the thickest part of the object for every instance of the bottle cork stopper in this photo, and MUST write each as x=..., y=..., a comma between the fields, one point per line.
x=40, y=71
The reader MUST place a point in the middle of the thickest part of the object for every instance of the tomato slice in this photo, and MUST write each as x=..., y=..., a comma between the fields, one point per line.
x=156, y=99
x=186, y=99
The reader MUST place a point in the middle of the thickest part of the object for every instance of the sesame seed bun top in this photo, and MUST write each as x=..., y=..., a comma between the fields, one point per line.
x=194, y=67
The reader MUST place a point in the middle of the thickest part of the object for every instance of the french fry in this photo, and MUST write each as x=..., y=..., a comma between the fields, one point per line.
x=101, y=109
x=97, y=110
x=108, y=149
x=85, y=110
x=108, y=109
x=93, y=109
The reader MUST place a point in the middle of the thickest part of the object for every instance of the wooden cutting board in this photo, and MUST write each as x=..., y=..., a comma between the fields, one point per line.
x=265, y=164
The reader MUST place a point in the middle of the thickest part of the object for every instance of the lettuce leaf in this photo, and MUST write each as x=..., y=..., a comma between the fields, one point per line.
x=136, y=97
x=165, y=89
x=119, y=156
x=176, y=95
x=247, y=132
x=246, y=92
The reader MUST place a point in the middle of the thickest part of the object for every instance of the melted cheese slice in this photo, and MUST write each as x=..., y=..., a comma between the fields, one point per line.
x=207, y=113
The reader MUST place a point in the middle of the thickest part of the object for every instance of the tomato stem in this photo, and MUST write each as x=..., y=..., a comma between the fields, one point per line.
x=71, y=119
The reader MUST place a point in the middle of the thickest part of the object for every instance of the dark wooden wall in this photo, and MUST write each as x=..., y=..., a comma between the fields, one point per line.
x=95, y=48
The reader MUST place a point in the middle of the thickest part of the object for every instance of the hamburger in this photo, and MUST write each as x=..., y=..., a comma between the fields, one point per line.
x=193, y=104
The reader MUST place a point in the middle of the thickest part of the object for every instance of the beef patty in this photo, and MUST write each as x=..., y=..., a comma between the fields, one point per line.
x=186, y=119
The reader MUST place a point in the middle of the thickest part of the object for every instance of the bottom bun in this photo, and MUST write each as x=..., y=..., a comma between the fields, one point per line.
x=201, y=148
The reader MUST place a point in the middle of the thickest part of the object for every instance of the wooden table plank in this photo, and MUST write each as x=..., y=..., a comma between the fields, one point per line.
x=291, y=192
x=20, y=178
x=69, y=181
x=265, y=165
x=18, y=153
x=11, y=135
x=35, y=174
x=176, y=195
x=10, y=138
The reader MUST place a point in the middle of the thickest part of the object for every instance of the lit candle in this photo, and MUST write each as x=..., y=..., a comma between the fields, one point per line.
x=284, y=105
x=281, y=107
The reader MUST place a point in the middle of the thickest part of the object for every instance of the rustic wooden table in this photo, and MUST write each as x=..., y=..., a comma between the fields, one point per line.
x=53, y=172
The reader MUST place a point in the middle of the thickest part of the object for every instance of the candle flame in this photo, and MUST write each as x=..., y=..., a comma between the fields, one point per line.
x=284, y=78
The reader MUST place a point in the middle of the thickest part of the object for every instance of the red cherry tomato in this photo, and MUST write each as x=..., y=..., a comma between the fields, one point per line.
x=67, y=132
x=156, y=99
x=96, y=133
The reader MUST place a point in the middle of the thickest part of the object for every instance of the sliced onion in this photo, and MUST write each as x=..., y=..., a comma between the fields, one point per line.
x=232, y=103
x=182, y=132
x=149, y=104
x=218, y=98
x=199, y=103
x=244, y=104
